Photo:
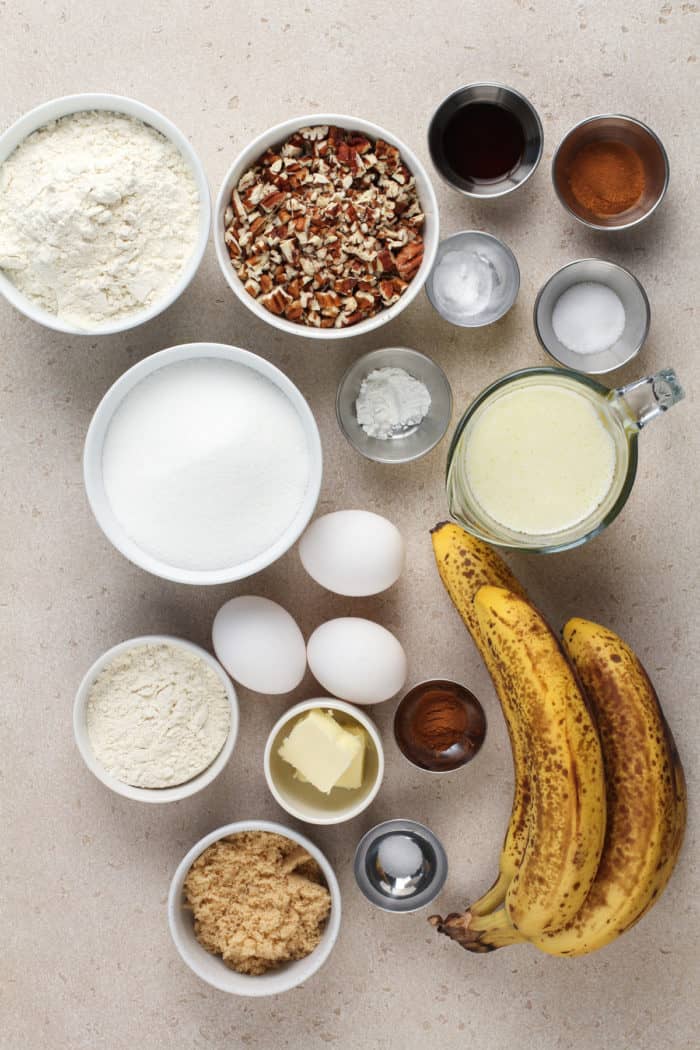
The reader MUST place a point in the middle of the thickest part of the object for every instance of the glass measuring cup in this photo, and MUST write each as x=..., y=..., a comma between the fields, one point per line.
x=624, y=412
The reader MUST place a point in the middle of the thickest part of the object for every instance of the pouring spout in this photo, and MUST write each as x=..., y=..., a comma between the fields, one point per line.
x=647, y=398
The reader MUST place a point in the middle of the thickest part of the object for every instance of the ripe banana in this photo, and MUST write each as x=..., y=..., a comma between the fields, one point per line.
x=645, y=789
x=567, y=811
x=465, y=564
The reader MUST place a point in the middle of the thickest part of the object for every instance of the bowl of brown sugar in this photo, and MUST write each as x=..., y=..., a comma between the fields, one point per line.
x=254, y=908
x=610, y=172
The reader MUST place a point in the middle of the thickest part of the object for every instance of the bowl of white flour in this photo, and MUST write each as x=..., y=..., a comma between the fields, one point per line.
x=156, y=718
x=203, y=464
x=104, y=214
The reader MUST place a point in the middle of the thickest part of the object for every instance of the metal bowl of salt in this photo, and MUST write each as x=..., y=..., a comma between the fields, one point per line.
x=400, y=866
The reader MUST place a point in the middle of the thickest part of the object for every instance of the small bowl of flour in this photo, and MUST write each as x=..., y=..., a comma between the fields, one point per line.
x=156, y=718
x=104, y=214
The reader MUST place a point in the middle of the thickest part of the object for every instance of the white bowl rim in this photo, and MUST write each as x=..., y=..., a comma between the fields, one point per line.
x=92, y=463
x=64, y=106
x=281, y=981
x=155, y=795
x=326, y=703
x=278, y=133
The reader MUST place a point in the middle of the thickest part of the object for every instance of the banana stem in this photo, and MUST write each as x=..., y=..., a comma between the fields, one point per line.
x=483, y=933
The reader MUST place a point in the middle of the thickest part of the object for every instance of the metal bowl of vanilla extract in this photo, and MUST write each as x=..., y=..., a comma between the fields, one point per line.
x=485, y=140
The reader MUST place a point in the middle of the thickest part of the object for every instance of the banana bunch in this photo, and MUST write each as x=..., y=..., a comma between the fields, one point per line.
x=599, y=806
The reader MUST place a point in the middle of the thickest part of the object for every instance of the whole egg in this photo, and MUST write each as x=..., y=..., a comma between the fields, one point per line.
x=259, y=644
x=357, y=660
x=353, y=552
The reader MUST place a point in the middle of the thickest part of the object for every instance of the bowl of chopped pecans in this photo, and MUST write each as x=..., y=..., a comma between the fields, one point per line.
x=326, y=226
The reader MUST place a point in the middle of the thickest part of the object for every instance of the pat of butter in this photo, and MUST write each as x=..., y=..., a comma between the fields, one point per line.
x=354, y=774
x=320, y=750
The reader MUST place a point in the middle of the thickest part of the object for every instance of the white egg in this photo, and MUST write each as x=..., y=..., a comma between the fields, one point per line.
x=357, y=660
x=259, y=644
x=353, y=552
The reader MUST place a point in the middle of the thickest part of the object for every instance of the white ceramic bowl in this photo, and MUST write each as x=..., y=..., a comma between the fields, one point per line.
x=62, y=107
x=139, y=794
x=276, y=135
x=211, y=968
x=92, y=464
x=302, y=800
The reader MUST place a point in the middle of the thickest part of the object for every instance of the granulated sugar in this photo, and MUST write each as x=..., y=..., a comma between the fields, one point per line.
x=205, y=464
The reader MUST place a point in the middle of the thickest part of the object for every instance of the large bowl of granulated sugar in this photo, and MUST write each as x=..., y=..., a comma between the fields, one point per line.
x=104, y=214
x=203, y=464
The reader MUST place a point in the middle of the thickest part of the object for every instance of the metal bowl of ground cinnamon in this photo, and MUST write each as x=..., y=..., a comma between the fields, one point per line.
x=610, y=172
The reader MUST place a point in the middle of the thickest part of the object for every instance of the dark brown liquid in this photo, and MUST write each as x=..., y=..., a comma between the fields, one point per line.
x=483, y=141
x=439, y=726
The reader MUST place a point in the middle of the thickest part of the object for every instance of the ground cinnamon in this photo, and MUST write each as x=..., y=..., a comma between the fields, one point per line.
x=606, y=178
x=439, y=725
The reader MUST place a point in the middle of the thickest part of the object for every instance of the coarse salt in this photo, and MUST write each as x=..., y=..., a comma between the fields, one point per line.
x=588, y=317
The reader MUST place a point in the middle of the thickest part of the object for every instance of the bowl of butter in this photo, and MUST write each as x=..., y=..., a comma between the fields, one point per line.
x=324, y=761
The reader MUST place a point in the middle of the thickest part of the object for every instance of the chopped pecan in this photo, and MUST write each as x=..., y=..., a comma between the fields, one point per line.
x=275, y=301
x=326, y=229
x=409, y=259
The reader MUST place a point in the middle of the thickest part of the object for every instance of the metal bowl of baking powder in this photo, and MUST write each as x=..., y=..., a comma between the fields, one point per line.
x=421, y=439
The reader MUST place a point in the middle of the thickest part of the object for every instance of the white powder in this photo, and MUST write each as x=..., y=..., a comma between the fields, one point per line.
x=588, y=317
x=98, y=215
x=205, y=464
x=157, y=715
x=391, y=403
x=464, y=283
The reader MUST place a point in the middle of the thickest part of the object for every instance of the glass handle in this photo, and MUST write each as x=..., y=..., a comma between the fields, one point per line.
x=650, y=397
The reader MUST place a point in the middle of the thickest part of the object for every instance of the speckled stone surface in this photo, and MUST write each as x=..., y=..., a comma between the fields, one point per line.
x=86, y=958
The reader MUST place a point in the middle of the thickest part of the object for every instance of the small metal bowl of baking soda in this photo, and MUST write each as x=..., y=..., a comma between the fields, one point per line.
x=394, y=405
x=156, y=718
x=475, y=279
x=400, y=866
x=592, y=316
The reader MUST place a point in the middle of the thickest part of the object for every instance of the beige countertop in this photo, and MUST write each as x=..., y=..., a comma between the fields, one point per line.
x=87, y=960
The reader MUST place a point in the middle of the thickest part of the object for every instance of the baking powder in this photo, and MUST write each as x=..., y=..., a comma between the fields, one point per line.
x=157, y=715
x=390, y=403
x=98, y=215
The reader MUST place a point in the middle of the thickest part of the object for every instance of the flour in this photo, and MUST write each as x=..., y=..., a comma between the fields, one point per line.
x=157, y=715
x=390, y=403
x=98, y=215
x=205, y=463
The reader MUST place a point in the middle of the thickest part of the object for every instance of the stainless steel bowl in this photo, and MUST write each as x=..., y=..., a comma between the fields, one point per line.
x=406, y=891
x=504, y=263
x=421, y=439
x=634, y=300
x=614, y=127
x=511, y=100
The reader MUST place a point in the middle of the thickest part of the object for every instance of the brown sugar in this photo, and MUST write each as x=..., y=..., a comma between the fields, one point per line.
x=606, y=178
x=259, y=900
